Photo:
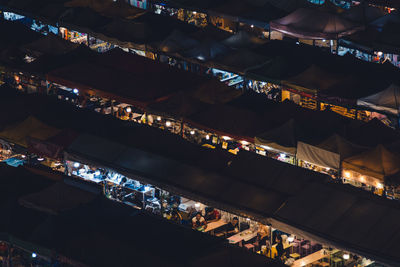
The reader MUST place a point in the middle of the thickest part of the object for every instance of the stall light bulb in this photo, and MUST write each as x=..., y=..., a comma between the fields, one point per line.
x=197, y=205
x=380, y=53
x=147, y=188
x=347, y=174
x=346, y=256
x=57, y=164
x=76, y=165
x=282, y=155
x=244, y=142
x=192, y=132
x=252, y=26
x=34, y=255
x=97, y=173
x=194, y=12
x=207, y=137
x=290, y=239
x=75, y=91
x=40, y=159
x=248, y=219
x=297, y=43
x=328, y=169
x=23, y=156
x=168, y=123
x=362, y=179
x=158, y=118
x=324, y=40
x=128, y=109
x=226, y=138
x=379, y=186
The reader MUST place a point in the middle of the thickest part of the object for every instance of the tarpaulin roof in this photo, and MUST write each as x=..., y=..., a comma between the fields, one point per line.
x=24, y=36
x=126, y=77
x=344, y=217
x=243, y=39
x=57, y=198
x=49, y=44
x=311, y=23
x=175, y=42
x=47, y=62
x=258, y=13
x=385, y=3
x=378, y=163
x=230, y=121
x=339, y=145
x=328, y=83
x=372, y=133
x=329, y=153
x=108, y=8
x=205, y=51
x=387, y=100
x=30, y=127
x=363, y=14
x=238, y=61
x=386, y=39
x=170, y=174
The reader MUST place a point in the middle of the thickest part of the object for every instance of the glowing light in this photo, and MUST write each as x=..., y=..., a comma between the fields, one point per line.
x=290, y=239
x=244, y=142
x=192, y=132
x=76, y=165
x=158, y=118
x=197, y=205
x=168, y=123
x=347, y=174
x=194, y=12
x=379, y=186
x=23, y=156
x=324, y=40
x=346, y=256
x=34, y=255
x=75, y=91
x=128, y=109
x=282, y=155
x=226, y=138
x=380, y=53
x=40, y=159
x=207, y=137
x=146, y=188
x=297, y=43
x=362, y=179
x=248, y=219
x=97, y=173
x=252, y=26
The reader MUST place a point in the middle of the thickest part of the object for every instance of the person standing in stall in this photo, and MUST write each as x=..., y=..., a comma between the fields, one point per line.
x=198, y=222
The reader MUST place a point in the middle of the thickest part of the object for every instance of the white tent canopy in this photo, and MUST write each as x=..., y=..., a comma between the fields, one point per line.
x=388, y=100
x=318, y=156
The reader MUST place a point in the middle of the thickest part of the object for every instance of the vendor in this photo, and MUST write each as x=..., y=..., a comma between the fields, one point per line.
x=232, y=227
x=198, y=221
x=212, y=215
x=262, y=236
x=279, y=248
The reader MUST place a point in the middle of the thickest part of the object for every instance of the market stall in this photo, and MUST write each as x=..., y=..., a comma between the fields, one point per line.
x=374, y=168
x=384, y=101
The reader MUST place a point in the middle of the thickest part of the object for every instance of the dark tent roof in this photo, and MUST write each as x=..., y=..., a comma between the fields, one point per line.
x=344, y=217
x=57, y=198
x=175, y=42
x=243, y=39
x=126, y=77
x=24, y=36
x=339, y=145
x=238, y=61
x=372, y=133
x=228, y=120
x=47, y=62
x=49, y=44
x=308, y=23
x=258, y=13
x=82, y=19
x=205, y=51
x=363, y=14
